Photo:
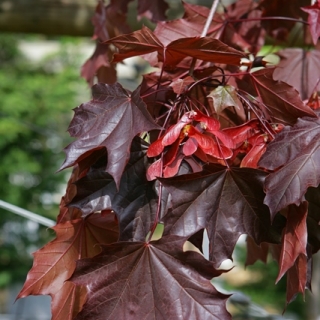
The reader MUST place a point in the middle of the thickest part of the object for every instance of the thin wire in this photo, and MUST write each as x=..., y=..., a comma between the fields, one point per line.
x=27, y=214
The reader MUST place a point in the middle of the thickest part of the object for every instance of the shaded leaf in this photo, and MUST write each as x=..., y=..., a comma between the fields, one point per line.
x=99, y=65
x=224, y=97
x=281, y=100
x=300, y=68
x=205, y=48
x=294, y=241
x=180, y=85
x=138, y=280
x=294, y=154
x=227, y=202
x=190, y=25
x=313, y=20
x=136, y=43
x=279, y=28
x=134, y=202
x=247, y=35
x=111, y=119
x=297, y=278
x=153, y=10
x=256, y=252
x=67, y=214
x=56, y=261
x=313, y=219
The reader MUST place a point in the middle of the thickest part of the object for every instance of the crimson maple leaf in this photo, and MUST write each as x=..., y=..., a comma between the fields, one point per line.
x=298, y=277
x=111, y=119
x=227, y=202
x=294, y=241
x=145, y=41
x=56, y=261
x=294, y=156
x=156, y=280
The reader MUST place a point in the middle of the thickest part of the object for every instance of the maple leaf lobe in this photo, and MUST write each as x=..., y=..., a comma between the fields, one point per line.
x=111, y=119
x=150, y=281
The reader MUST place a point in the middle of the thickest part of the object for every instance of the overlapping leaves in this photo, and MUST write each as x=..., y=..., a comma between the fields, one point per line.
x=55, y=263
x=134, y=202
x=145, y=41
x=295, y=153
x=227, y=202
x=111, y=120
x=211, y=146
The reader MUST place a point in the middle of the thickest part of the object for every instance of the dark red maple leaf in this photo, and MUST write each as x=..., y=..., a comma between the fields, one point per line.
x=190, y=25
x=227, y=202
x=256, y=252
x=300, y=68
x=55, y=262
x=239, y=33
x=99, y=65
x=280, y=28
x=108, y=22
x=111, y=119
x=313, y=219
x=154, y=10
x=313, y=20
x=294, y=156
x=294, y=241
x=282, y=101
x=145, y=41
x=298, y=277
x=156, y=280
x=134, y=202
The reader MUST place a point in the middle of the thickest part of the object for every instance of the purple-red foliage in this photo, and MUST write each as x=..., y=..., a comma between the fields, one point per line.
x=206, y=141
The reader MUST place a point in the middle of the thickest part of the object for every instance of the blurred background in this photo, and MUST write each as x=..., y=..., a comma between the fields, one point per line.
x=43, y=44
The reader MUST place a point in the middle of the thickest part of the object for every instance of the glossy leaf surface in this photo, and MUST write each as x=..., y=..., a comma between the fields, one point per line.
x=112, y=113
x=131, y=280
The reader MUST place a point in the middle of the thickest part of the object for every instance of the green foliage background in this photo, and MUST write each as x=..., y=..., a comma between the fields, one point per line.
x=35, y=109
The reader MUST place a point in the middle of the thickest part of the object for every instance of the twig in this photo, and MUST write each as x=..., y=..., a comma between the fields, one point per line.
x=27, y=214
x=205, y=30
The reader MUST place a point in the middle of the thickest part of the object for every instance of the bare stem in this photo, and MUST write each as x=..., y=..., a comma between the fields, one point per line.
x=205, y=29
x=210, y=17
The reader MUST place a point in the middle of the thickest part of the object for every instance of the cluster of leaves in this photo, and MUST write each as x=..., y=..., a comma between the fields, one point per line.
x=206, y=142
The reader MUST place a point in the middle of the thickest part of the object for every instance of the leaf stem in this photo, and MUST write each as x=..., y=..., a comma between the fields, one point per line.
x=257, y=115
